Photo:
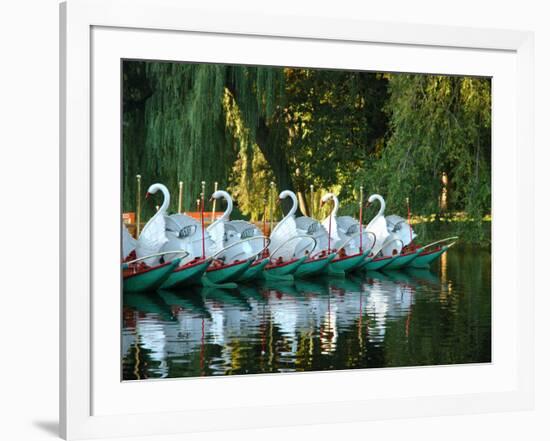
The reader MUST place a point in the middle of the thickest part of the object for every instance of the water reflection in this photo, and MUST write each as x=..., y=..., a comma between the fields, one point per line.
x=396, y=318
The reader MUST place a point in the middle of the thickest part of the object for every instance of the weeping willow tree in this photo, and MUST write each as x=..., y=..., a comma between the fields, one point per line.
x=438, y=152
x=180, y=124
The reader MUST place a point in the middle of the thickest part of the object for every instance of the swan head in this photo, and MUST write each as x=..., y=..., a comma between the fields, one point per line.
x=221, y=194
x=375, y=197
x=154, y=188
x=327, y=197
x=286, y=194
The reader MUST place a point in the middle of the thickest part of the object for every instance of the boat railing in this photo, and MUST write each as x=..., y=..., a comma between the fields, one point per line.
x=273, y=255
x=164, y=253
x=356, y=235
x=437, y=242
x=266, y=241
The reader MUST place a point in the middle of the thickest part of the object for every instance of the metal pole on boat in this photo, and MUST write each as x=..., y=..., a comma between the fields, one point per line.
x=138, y=205
x=265, y=220
x=311, y=195
x=409, y=219
x=329, y=229
x=180, y=196
x=361, y=219
x=214, y=202
x=271, y=202
x=203, y=184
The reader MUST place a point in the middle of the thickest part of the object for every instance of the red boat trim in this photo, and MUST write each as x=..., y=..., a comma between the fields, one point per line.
x=259, y=262
x=190, y=265
x=279, y=265
x=145, y=270
x=316, y=260
x=346, y=257
x=211, y=268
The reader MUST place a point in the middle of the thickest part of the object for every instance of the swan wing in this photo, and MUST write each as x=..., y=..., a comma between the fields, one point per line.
x=151, y=239
x=403, y=230
x=285, y=230
x=128, y=242
x=216, y=232
x=312, y=227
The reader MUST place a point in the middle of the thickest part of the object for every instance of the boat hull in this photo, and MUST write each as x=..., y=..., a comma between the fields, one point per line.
x=402, y=260
x=186, y=275
x=313, y=267
x=226, y=273
x=425, y=259
x=150, y=279
x=254, y=271
x=283, y=271
x=379, y=263
x=338, y=267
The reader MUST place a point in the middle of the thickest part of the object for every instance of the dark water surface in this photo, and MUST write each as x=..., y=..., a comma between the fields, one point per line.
x=398, y=318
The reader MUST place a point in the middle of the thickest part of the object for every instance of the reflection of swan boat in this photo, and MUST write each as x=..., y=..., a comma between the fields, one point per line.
x=147, y=304
x=309, y=286
x=226, y=297
x=190, y=301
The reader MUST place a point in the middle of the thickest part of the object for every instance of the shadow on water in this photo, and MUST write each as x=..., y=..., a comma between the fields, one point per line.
x=411, y=317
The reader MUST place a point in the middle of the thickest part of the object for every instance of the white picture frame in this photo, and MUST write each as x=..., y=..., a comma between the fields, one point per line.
x=96, y=33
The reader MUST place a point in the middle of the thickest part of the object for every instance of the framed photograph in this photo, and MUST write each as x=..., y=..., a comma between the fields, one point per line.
x=290, y=217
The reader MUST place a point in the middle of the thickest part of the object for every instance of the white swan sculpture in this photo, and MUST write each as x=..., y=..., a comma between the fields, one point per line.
x=387, y=243
x=153, y=236
x=345, y=231
x=285, y=237
x=225, y=233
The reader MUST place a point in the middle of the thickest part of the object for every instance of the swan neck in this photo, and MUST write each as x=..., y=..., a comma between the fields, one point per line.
x=336, y=206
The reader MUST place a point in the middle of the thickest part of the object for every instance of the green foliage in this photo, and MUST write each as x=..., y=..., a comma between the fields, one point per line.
x=438, y=125
x=399, y=135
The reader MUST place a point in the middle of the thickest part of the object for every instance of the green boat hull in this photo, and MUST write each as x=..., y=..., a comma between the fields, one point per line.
x=339, y=267
x=186, y=275
x=425, y=259
x=402, y=260
x=313, y=267
x=284, y=271
x=254, y=271
x=225, y=274
x=378, y=264
x=151, y=279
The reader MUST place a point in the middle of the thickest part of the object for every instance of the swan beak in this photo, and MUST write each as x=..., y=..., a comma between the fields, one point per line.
x=279, y=201
x=322, y=203
x=147, y=195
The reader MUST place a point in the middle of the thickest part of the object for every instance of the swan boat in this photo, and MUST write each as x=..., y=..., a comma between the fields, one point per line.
x=398, y=250
x=288, y=249
x=145, y=265
x=347, y=236
x=235, y=249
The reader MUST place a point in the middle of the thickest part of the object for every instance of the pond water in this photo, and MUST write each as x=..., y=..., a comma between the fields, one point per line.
x=398, y=318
